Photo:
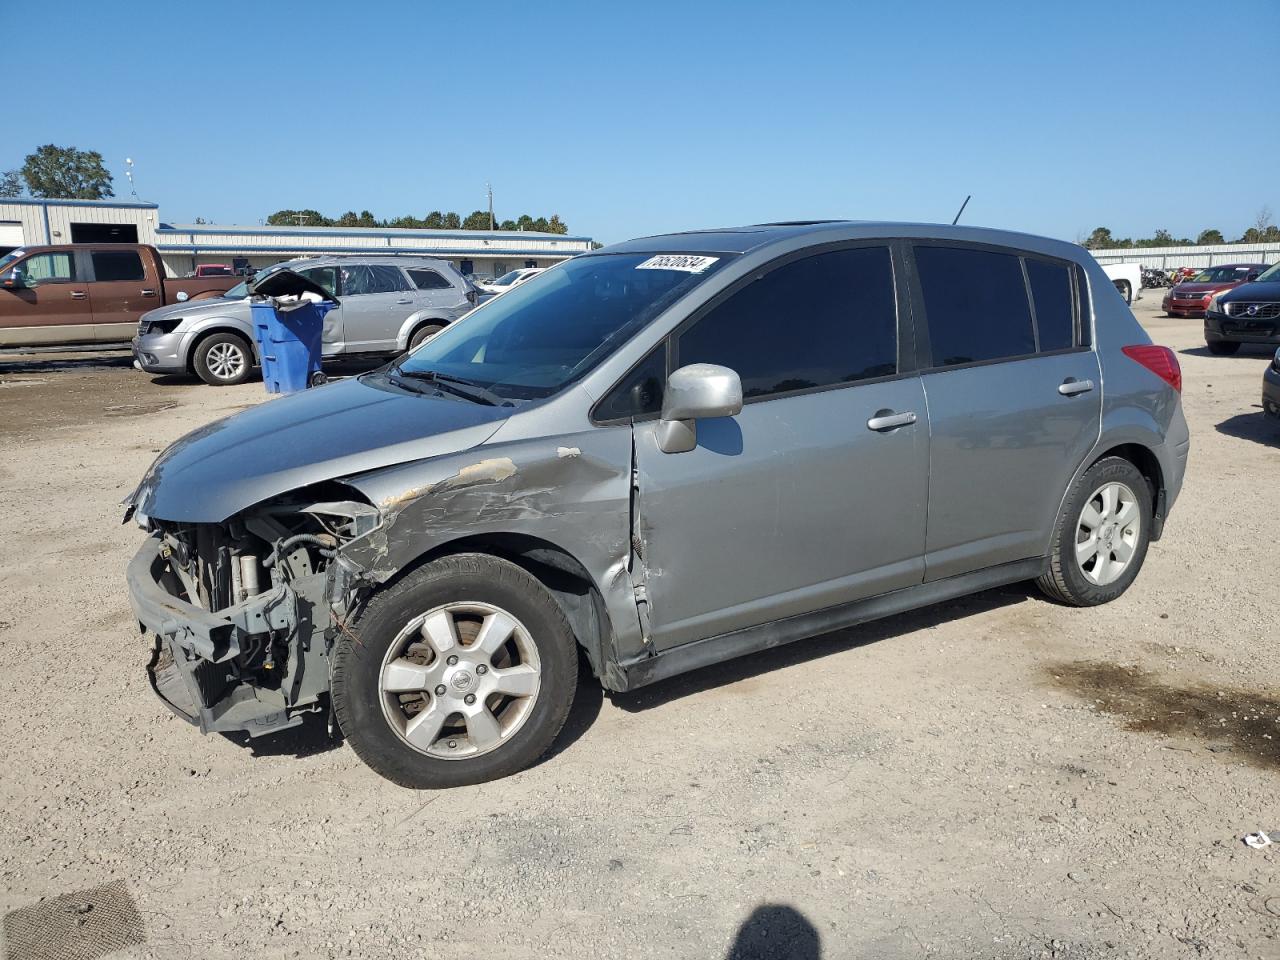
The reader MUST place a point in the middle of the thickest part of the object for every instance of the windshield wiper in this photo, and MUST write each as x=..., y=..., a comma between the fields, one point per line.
x=455, y=385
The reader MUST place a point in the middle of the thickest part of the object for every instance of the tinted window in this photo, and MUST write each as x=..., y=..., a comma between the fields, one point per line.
x=116, y=265
x=976, y=304
x=326, y=277
x=829, y=318
x=640, y=392
x=387, y=279
x=1054, y=303
x=425, y=279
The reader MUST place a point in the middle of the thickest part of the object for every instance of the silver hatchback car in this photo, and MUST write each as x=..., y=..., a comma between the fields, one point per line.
x=663, y=454
x=385, y=305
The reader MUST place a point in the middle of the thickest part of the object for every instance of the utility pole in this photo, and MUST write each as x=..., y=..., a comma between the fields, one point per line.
x=489, y=187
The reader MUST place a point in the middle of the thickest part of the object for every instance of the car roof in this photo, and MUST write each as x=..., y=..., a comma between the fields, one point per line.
x=746, y=239
x=331, y=259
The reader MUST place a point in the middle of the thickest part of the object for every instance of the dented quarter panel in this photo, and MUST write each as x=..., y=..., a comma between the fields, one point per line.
x=571, y=490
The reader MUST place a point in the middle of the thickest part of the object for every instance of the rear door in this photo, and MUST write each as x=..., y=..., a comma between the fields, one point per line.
x=50, y=306
x=376, y=300
x=436, y=292
x=1014, y=395
x=808, y=498
x=120, y=291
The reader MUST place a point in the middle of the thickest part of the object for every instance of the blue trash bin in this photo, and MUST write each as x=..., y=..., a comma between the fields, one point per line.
x=289, y=342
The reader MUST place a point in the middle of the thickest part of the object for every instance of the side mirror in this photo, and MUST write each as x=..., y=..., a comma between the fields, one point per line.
x=15, y=281
x=696, y=392
x=182, y=296
x=1249, y=278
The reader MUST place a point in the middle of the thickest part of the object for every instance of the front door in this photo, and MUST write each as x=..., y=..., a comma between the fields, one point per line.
x=49, y=304
x=120, y=293
x=815, y=494
x=1015, y=400
x=331, y=343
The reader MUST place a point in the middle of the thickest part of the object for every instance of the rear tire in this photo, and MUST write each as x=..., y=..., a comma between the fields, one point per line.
x=399, y=690
x=223, y=359
x=1223, y=348
x=423, y=332
x=1126, y=291
x=1101, y=537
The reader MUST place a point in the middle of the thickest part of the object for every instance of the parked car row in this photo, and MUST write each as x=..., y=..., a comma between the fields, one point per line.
x=1246, y=312
x=1190, y=298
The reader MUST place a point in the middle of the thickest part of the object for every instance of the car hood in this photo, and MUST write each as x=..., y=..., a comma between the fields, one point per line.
x=1200, y=289
x=1255, y=291
x=321, y=434
x=213, y=306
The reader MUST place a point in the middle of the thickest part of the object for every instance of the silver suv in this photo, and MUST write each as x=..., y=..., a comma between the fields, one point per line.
x=385, y=305
x=664, y=454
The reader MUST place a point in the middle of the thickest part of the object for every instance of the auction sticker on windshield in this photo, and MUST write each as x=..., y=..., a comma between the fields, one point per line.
x=677, y=261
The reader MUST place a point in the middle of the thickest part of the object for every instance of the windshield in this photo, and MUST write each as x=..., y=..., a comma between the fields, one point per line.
x=546, y=333
x=506, y=279
x=1272, y=274
x=1221, y=275
x=238, y=292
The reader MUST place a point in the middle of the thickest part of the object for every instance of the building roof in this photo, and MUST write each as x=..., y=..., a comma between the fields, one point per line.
x=58, y=202
x=287, y=231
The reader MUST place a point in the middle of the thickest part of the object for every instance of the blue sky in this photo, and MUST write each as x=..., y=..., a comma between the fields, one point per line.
x=636, y=118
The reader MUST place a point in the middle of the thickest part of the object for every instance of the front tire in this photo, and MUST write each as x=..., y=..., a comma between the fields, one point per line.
x=1101, y=537
x=1223, y=348
x=223, y=360
x=464, y=671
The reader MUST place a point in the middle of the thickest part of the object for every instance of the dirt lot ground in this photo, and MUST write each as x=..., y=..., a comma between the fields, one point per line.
x=997, y=777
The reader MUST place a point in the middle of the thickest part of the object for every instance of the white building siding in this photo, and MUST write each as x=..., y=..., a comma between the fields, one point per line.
x=49, y=221
x=1167, y=258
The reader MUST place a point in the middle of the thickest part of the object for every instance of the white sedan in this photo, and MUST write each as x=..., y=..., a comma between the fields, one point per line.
x=509, y=280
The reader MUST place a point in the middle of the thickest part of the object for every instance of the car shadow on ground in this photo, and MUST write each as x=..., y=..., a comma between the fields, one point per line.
x=1247, y=351
x=802, y=651
x=776, y=932
x=335, y=370
x=11, y=363
x=1257, y=427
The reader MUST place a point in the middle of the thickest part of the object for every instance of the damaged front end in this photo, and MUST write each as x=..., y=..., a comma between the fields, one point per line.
x=245, y=612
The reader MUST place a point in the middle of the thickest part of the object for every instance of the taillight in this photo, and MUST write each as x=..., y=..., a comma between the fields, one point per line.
x=1161, y=361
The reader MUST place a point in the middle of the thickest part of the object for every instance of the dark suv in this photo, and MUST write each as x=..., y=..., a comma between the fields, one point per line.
x=1249, y=313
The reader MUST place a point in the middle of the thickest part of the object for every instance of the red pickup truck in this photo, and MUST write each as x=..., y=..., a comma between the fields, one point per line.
x=88, y=293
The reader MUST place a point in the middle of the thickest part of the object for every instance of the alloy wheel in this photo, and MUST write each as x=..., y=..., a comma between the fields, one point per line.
x=1107, y=533
x=226, y=361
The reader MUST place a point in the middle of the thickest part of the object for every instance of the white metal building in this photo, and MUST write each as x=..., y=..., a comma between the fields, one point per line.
x=1168, y=258
x=184, y=246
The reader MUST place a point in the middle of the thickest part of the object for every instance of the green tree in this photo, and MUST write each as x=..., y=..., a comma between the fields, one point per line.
x=11, y=184
x=366, y=219
x=525, y=222
x=477, y=220
x=434, y=220
x=299, y=218
x=66, y=173
x=405, y=223
x=1100, y=239
x=348, y=219
x=452, y=222
x=556, y=225
x=541, y=225
x=507, y=225
x=1210, y=236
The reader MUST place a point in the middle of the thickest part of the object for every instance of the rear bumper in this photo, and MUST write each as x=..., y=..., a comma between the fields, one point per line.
x=1271, y=392
x=194, y=649
x=1240, y=330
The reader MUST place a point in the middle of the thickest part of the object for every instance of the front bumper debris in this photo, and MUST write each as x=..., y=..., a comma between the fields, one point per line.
x=191, y=670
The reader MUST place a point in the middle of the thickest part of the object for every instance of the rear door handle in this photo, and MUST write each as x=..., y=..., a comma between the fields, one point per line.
x=885, y=420
x=404, y=301
x=1071, y=386
x=148, y=293
x=78, y=294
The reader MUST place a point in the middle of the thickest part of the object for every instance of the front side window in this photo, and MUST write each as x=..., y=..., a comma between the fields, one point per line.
x=542, y=335
x=326, y=277
x=822, y=320
x=976, y=305
x=116, y=265
x=46, y=268
x=425, y=279
x=1054, y=302
x=387, y=279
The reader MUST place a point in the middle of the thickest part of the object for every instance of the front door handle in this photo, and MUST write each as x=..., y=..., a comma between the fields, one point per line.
x=78, y=294
x=885, y=420
x=147, y=293
x=1071, y=386
x=404, y=301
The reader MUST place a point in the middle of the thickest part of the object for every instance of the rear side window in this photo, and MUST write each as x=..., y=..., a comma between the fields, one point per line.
x=823, y=320
x=976, y=305
x=116, y=265
x=425, y=279
x=1054, y=301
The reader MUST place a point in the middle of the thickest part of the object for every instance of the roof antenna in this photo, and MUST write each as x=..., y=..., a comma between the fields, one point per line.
x=961, y=210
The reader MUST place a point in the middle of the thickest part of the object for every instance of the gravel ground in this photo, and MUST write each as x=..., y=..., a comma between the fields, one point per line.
x=995, y=777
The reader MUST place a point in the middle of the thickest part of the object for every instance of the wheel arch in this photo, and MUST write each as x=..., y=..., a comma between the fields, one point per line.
x=416, y=321
x=203, y=333
x=563, y=574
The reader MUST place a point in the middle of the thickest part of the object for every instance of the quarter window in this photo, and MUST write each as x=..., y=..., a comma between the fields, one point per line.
x=640, y=392
x=116, y=265
x=976, y=304
x=1055, y=305
x=823, y=320
x=425, y=279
